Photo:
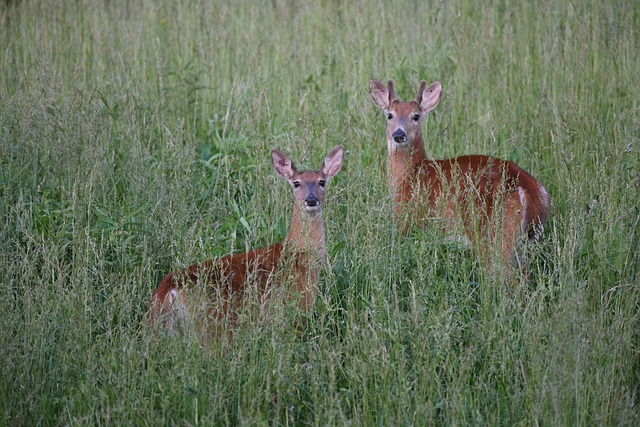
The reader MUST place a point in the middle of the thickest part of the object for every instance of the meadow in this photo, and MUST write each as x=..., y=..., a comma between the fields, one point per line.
x=135, y=139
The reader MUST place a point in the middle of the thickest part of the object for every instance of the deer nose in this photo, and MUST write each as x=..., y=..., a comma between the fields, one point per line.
x=399, y=135
x=311, y=200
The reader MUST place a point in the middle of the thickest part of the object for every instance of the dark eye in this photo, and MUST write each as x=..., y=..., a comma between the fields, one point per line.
x=416, y=117
x=389, y=116
x=296, y=184
x=322, y=182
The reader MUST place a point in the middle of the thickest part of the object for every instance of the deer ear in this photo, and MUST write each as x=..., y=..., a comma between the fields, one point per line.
x=379, y=94
x=282, y=164
x=333, y=162
x=430, y=97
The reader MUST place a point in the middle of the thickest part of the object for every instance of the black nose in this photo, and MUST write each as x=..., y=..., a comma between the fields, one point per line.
x=312, y=200
x=399, y=135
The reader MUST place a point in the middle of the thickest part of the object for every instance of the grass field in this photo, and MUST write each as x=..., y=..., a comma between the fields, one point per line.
x=135, y=138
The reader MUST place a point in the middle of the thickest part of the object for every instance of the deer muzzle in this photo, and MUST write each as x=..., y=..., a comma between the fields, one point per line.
x=399, y=136
x=311, y=201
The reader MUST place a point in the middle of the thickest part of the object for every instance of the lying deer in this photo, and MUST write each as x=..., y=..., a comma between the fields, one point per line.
x=220, y=289
x=494, y=200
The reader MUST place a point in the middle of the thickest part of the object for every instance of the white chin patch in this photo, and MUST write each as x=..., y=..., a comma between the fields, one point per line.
x=391, y=144
x=312, y=209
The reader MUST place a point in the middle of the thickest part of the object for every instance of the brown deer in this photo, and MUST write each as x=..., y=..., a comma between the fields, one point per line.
x=213, y=294
x=493, y=200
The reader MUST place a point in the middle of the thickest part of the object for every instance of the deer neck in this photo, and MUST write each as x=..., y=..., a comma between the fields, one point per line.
x=306, y=233
x=404, y=161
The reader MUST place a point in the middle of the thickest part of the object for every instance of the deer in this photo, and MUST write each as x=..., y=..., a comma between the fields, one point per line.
x=494, y=203
x=213, y=294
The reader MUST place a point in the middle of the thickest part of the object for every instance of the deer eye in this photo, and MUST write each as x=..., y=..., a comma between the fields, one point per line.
x=322, y=183
x=389, y=116
x=296, y=184
x=416, y=117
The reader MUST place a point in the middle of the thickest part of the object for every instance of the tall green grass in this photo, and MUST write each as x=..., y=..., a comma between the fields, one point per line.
x=134, y=140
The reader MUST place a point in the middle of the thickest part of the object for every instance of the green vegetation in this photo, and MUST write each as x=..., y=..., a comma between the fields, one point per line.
x=135, y=138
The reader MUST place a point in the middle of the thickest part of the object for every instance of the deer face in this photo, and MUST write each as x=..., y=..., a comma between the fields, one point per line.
x=404, y=118
x=309, y=186
x=403, y=122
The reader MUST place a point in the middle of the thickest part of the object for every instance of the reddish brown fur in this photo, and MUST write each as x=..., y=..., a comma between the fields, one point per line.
x=227, y=283
x=465, y=189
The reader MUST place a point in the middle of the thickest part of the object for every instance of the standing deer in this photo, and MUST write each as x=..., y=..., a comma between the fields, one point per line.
x=494, y=200
x=220, y=289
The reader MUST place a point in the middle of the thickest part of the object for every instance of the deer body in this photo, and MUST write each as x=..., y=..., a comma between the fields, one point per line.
x=494, y=200
x=223, y=288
